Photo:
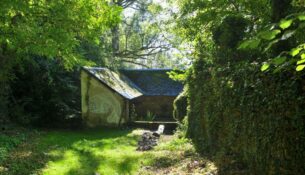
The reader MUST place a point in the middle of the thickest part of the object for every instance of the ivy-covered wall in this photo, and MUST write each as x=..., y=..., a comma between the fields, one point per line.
x=246, y=119
x=100, y=105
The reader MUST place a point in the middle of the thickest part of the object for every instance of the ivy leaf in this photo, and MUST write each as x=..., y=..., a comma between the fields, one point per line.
x=284, y=23
x=279, y=60
x=271, y=44
x=295, y=51
x=287, y=34
x=300, y=67
x=278, y=69
x=97, y=41
x=250, y=44
x=303, y=56
x=301, y=17
x=269, y=35
x=265, y=67
x=301, y=62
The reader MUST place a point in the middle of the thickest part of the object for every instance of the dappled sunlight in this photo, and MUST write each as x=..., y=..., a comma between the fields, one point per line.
x=69, y=160
x=101, y=151
x=107, y=152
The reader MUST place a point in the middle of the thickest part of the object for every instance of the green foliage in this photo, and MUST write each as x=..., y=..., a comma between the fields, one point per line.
x=150, y=116
x=52, y=29
x=288, y=30
x=285, y=23
x=177, y=144
x=6, y=145
x=3, y=102
x=55, y=31
x=177, y=75
x=45, y=95
x=265, y=67
x=180, y=106
x=10, y=138
x=250, y=44
x=244, y=118
x=252, y=122
x=230, y=31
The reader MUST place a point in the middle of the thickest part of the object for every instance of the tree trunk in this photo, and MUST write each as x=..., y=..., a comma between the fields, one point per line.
x=280, y=9
x=115, y=40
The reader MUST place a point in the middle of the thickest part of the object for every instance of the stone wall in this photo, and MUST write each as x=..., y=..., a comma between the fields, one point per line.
x=100, y=105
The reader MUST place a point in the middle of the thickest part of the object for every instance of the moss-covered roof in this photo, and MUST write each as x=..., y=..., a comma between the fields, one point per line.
x=115, y=81
x=154, y=82
x=132, y=83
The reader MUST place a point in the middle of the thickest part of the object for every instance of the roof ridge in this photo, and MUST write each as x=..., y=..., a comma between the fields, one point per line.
x=149, y=82
x=128, y=69
x=153, y=69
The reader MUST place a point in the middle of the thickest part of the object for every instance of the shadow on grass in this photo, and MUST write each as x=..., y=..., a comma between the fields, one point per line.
x=76, y=152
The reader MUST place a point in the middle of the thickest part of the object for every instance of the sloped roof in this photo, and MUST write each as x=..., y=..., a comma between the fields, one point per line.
x=115, y=81
x=154, y=82
x=132, y=83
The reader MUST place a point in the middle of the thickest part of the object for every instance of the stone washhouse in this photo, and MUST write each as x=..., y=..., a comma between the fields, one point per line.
x=112, y=98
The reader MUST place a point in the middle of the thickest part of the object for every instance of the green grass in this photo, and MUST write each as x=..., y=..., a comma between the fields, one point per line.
x=105, y=152
x=87, y=152
x=77, y=152
x=7, y=143
x=9, y=139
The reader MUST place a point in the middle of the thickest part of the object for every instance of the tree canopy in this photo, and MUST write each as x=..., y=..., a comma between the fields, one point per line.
x=52, y=29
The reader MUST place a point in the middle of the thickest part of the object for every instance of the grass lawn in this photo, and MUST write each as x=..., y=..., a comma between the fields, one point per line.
x=89, y=152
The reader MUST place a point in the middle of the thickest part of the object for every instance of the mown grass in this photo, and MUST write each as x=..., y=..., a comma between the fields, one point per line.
x=89, y=152
x=76, y=152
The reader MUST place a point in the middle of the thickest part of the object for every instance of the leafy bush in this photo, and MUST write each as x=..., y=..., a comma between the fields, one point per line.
x=45, y=94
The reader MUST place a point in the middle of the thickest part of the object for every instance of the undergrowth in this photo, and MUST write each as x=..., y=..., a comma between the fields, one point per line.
x=9, y=140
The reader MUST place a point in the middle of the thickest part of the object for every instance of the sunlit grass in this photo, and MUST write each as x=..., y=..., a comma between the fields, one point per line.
x=89, y=152
x=100, y=151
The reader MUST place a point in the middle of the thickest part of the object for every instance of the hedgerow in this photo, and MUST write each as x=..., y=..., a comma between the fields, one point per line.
x=247, y=119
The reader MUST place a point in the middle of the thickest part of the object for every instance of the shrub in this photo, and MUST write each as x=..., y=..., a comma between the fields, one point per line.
x=150, y=116
x=45, y=94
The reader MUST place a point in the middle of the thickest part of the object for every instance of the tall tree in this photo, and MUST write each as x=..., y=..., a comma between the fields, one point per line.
x=48, y=29
x=139, y=39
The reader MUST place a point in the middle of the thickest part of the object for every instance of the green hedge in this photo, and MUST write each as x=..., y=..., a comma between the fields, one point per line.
x=248, y=120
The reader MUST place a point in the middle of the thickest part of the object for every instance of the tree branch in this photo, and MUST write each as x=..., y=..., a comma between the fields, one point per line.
x=134, y=62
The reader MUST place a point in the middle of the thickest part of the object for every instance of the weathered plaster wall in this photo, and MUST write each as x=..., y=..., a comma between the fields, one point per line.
x=161, y=106
x=100, y=105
